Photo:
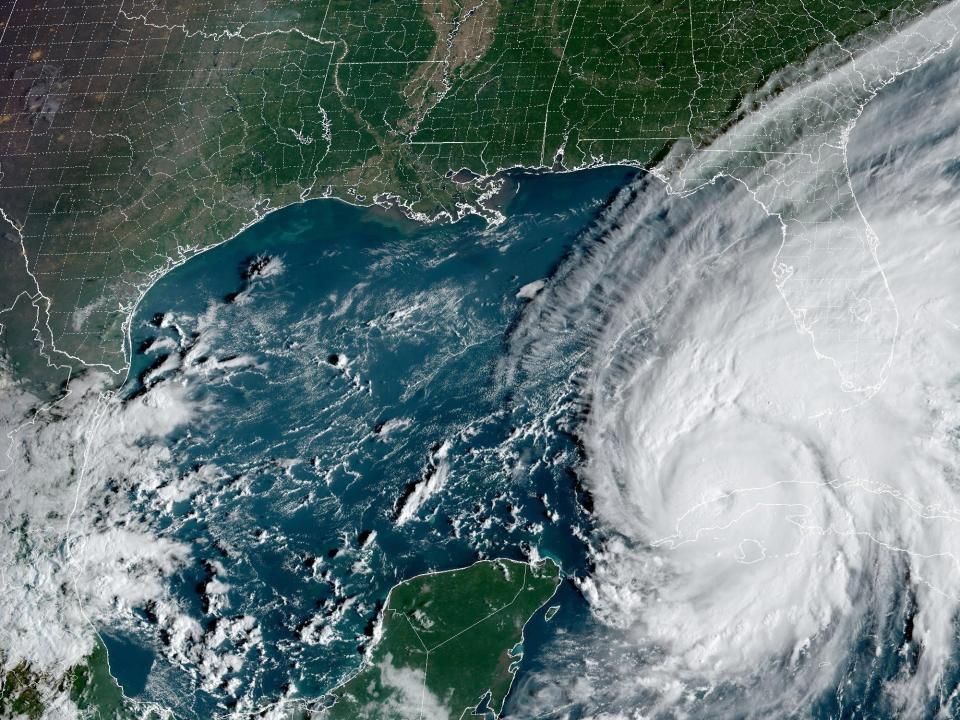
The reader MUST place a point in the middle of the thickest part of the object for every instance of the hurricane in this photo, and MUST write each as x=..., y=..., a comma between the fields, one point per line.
x=768, y=344
x=718, y=395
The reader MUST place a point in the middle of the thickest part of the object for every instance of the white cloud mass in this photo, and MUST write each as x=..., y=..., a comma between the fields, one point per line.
x=770, y=392
x=83, y=482
x=772, y=403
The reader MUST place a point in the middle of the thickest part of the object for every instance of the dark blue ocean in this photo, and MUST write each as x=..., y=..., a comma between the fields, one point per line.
x=366, y=436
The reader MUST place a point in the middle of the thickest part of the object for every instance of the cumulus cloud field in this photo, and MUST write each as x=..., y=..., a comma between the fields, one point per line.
x=770, y=407
x=767, y=341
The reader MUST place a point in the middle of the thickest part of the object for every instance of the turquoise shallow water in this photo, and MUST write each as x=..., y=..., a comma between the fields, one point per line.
x=371, y=379
x=368, y=374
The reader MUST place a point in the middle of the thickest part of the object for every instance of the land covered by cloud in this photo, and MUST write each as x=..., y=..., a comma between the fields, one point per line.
x=770, y=404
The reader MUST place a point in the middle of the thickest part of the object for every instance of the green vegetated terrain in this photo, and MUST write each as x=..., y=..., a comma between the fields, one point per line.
x=447, y=643
x=20, y=693
x=135, y=134
x=95, y=692
x=89, y=686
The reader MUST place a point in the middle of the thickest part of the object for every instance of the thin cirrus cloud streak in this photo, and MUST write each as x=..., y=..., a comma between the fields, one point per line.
x=770, y=407
x=767, y=383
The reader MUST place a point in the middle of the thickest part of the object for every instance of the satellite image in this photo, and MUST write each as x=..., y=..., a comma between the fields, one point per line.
x=449, y=359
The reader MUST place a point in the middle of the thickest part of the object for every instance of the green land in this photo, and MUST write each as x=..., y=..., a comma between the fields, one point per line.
x=135, y=135
x=20, y=693
x=97, y=694
x=89, y=686
x=447, y=644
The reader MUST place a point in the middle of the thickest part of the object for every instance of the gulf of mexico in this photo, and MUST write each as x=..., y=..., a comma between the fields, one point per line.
x=368, y=438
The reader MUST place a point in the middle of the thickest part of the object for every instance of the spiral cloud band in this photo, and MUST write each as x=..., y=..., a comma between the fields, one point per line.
x=770, y=400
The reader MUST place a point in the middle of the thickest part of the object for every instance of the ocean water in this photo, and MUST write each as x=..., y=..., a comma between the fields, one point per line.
x=358, y=430
x=130, y=663
x=382, y=398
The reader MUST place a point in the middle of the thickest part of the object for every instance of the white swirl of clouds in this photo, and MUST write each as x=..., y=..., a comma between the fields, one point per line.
x=771, y=398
